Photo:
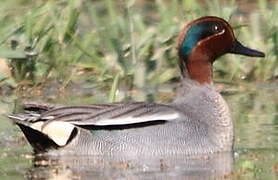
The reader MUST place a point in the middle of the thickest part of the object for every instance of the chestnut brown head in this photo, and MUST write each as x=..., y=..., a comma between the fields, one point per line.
x=204, y=40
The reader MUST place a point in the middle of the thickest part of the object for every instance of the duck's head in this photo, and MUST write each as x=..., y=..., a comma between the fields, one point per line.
x=204, y=40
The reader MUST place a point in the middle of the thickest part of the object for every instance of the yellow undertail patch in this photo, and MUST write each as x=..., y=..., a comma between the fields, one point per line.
x=58, y=131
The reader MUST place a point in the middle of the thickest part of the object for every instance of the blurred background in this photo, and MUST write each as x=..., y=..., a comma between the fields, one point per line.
x=96, y=51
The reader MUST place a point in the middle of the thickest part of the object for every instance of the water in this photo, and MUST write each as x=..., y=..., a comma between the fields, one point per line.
x=254, y=110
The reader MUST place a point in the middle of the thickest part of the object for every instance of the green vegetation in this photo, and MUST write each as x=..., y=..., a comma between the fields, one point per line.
x=129, y=42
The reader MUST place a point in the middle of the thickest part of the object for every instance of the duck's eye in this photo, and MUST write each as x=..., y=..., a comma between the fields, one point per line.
x=216, y=28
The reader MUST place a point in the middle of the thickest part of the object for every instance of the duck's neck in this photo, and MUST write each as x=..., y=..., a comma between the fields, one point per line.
x=197, y=67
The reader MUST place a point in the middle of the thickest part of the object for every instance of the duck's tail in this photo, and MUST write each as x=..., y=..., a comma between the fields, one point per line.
x=39, y=141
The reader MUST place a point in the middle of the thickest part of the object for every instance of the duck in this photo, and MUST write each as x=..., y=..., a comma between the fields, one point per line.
x=197, y=121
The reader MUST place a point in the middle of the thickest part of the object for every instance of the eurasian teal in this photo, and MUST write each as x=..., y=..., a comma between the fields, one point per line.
x=197, y=122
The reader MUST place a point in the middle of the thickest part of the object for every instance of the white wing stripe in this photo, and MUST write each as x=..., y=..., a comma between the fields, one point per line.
x=131, y=120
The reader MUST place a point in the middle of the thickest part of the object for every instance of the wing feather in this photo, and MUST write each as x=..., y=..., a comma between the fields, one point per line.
x=112, y=114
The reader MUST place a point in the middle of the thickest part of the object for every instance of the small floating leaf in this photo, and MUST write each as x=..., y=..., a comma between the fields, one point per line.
x=247, y=165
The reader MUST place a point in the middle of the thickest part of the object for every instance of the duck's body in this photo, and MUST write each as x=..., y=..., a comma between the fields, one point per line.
x=196, y=122
x=182, y=127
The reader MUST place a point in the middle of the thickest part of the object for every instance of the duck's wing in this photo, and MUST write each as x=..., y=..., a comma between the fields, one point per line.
x=48, y=126
x=103, y=114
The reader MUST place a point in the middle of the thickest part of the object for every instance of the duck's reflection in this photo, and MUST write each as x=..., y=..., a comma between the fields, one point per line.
x=216, y=166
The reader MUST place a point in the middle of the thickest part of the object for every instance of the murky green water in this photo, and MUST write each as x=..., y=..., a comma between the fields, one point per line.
x=256, y=151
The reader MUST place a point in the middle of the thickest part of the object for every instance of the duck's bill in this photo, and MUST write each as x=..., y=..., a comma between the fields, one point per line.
x=238, y=48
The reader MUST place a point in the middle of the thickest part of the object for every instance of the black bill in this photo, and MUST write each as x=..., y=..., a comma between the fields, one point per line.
x=238, y=48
